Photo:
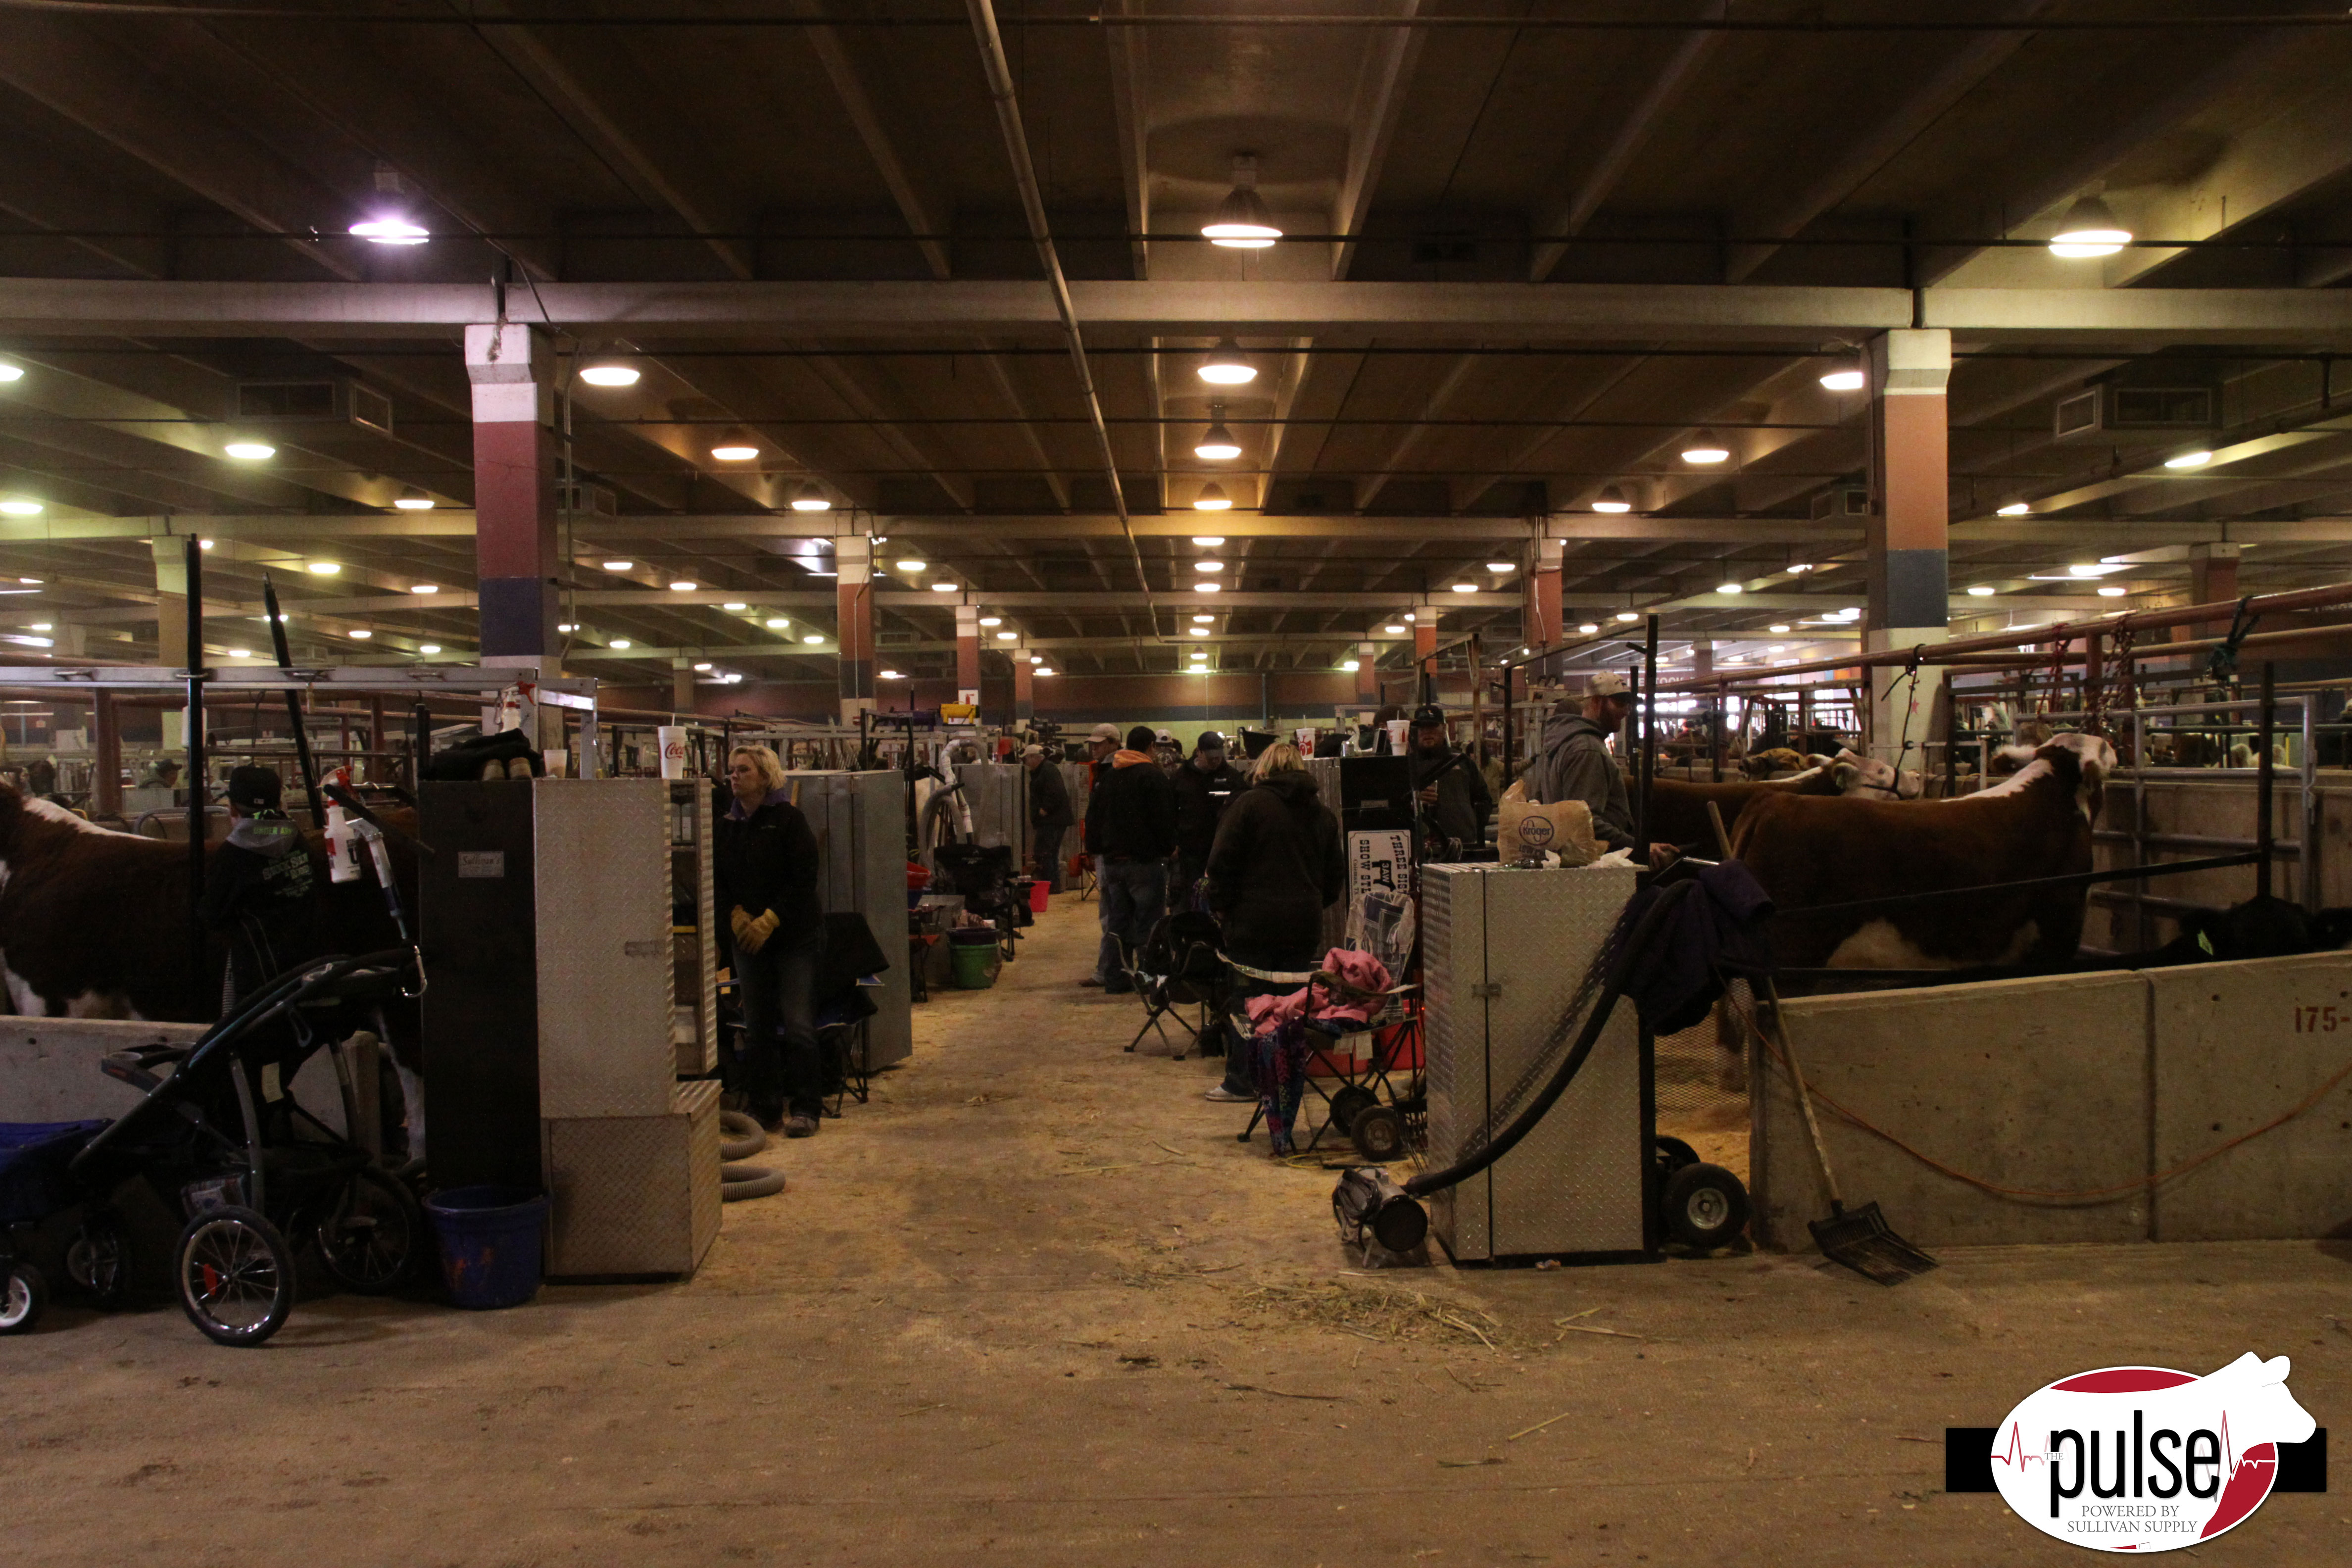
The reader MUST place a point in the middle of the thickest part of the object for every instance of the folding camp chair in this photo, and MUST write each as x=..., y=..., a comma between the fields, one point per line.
x=1178, y=966
x=1365, y=1093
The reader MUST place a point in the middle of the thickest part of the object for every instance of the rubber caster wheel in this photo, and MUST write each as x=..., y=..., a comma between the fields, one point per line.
x=97, y=1261
x=1672, y=1154
x=1350, y=1104
x=234, y=1275
x=20, y=1304
x=1378, y=1133
x=373, y=1235
x=1703, y=1206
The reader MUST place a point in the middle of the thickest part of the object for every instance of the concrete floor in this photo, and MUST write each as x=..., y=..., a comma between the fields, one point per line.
x=1034, y=1305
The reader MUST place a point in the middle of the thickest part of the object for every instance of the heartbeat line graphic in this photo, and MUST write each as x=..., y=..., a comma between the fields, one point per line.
x=2016, y=1457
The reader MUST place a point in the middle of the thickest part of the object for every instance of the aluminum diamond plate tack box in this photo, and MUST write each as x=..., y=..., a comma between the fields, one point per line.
x=601, y=904
x=998, y=796
x=695, y=958
x=1504, y=951
x=634, y=1196
x=860, y=823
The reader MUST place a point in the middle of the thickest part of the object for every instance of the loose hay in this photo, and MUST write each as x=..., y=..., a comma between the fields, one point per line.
x=1375, y=1311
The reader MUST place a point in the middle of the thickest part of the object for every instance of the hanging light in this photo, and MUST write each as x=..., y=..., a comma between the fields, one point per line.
x=812, y=639
x=249, y=451
x=1498, y=566
x=812, y=499
x=424, y=587
x=1981, y=591
x=2015, y=508
x=1465, y=588
x=1705, y=450
x=14, y=508
x=777, y=623
x=736, y=447
x=943, y=586
x=1242, y=222
x=2091, y=230
x=1844, y=378
x=1611, y=499
x=2189, y=460
x=11, y=372
x=1779, y=629
x=620, y=565
x=992, y=620
x=1208, y=540
x=362, y=634
x=1213, y=498
x=1208, y=566
x=610, y=372
x=622, y=644
x=1042, y=670
x=1208, y=586
x=735, y=605
x=1628, y=615
x=1394, y=630
x=1202, y=620
x=392, y=229
x=428, y=647
x=1217, y=444
x=413, y=499
x=324, y=568
x=683, y=585
x=1589, y=628
x=1225, y=367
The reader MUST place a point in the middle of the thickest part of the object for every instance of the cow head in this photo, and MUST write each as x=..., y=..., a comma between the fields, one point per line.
x=2084, y=761
x=1858, y=774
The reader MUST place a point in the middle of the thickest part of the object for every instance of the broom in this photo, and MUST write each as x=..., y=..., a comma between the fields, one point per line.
x=1861, y=1240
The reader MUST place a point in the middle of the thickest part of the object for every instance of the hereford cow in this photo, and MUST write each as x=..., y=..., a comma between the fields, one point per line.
x=94, y=924
x=1809, y=852
x=1678, y=809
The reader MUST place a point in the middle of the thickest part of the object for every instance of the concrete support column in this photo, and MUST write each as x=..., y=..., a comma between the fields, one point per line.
x=1024, y=686
x=1544, y=620
x=967, y=648
x=852, y=558
x=171, y=601
x=681, y=685
x=1368, y=675
x=106, y=756
x=1906, y=537
x=512, y=369
x=2212, y=579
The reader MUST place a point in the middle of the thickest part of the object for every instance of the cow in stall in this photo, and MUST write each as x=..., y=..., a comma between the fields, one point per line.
x=1678, y=808
x=94, y=924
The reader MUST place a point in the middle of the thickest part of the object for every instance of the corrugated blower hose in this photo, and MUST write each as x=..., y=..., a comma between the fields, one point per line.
x=740, y=1137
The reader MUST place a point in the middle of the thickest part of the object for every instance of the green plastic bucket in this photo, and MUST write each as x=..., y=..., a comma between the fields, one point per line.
x=973, y=952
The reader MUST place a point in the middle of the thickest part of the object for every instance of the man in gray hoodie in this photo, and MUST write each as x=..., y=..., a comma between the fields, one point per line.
x=1575, y=764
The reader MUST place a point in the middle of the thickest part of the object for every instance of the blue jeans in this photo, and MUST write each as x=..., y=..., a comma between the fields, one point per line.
x=782, y=1069
x=1134, y=895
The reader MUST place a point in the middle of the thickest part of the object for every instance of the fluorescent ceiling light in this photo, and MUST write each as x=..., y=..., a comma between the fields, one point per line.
x=324, y=568
x=21, y=508
x=413, y=499
x=812, y=499
x=702, y=666
x=1225, y=367
x=1498, y=566
x=1351, y=664
x=1213, y=498
x=566, y=627
x=2189, y=460
x=992, y=620
x=2015, y=508
x=736, y=449
x=888, y=675
x=392, y=229
x=610, y=375
x=250, y=451
x=1705, y=450
x=1036, y=659
x=1410, y=616
x=1611, y=499
x=1798, y=569
x=2090, y=230
x=1775, y=648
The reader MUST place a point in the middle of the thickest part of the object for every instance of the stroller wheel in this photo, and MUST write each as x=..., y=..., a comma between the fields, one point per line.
x=97, y=1262
x=1350, y=1104
x=235, y=1276
x=27, y=1293
x=1378, y=1133
x=368, y=1238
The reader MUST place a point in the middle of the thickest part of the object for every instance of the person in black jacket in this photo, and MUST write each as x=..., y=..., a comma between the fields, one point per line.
x=764, y=878
x=1205, y=786
x=1275, y=865
x=1131, y=825
x=1454, y=802
x=1049, y=816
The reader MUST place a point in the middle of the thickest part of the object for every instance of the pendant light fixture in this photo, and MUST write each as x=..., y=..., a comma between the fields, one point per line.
x=1844, y=377
x=1225, y=367
x=609, y=372
x=1705, y=450
x=736, y=447
x=2091, y=230
x=1217, y=444
x=412, y=499
x=811, y=499
x=1242, y=222
x=1213, y=498
x=1611, y=499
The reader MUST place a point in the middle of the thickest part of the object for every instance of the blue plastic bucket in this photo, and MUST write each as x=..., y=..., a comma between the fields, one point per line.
x=491, y=1244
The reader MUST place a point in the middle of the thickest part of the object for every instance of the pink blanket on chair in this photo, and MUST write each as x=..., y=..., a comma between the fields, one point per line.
x=1360, y=970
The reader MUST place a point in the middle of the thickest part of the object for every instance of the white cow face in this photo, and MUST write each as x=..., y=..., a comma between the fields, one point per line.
x=1867, y=776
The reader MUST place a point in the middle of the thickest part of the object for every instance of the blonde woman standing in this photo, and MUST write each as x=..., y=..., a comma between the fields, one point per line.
x=764, y=878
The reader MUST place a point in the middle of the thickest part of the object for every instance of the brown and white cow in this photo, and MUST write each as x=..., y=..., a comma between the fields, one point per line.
x=1810, y=852
x=94, y=924
x=1678, y=808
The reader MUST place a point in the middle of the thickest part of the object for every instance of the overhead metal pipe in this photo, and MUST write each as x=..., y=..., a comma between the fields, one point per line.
x=1032, y=204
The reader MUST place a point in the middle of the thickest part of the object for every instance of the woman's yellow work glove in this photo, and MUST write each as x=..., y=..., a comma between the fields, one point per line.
x=755, y=932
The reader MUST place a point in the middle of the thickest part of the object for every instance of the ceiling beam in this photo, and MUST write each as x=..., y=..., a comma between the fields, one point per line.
x=1130, y=106
x=1580, y=313
x=1581, y=188
x=2274, y=165
x=1383, y=86
x=923, y=216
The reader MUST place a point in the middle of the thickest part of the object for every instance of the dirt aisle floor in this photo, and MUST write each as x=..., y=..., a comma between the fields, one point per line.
x=1034, y=1305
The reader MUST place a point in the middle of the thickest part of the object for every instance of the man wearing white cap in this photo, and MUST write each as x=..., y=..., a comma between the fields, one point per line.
x=1575, y=764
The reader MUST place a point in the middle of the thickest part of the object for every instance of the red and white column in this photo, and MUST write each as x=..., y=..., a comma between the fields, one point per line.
x=516, y=562
x=967, y=652
x=1024, y=687
x=2213, y=580
x=1906, y=538
x=1368, y=679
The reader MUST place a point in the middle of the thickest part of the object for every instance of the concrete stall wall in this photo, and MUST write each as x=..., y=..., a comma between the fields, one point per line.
x=2069, y=1085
